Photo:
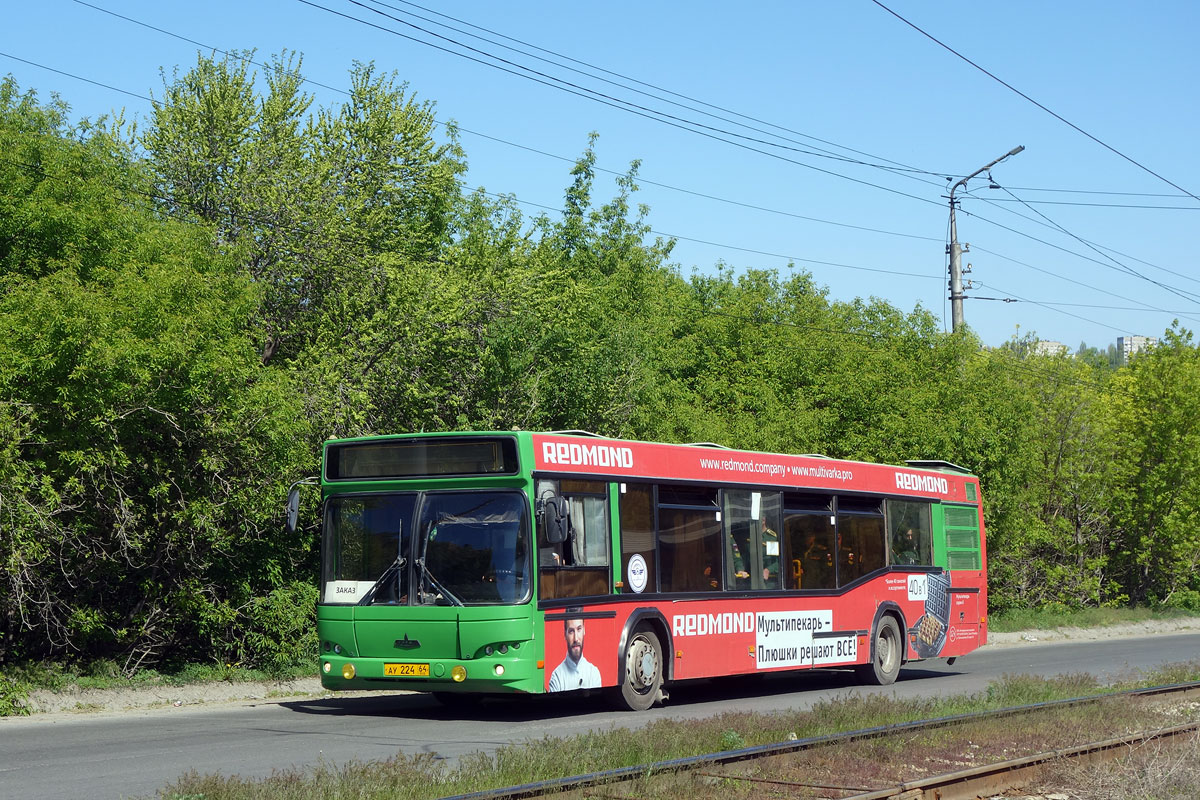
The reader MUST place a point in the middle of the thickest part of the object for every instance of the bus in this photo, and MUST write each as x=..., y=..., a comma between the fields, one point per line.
x=469, y=564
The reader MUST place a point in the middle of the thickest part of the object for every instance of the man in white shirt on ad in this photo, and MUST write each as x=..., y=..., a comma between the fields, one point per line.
x=575, y=671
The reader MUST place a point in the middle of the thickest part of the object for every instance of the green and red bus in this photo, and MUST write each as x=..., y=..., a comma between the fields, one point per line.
x=487, y=563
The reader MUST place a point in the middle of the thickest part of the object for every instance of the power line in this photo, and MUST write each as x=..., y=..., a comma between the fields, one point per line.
x=874, y=337
x=656, y=116
x=575, y=88
x=1093, y=191
x=1089, y=286
x=1015, y=299
x=675, y=236
x=648, y=182
x=557, y=210
x=1097, y=205
x=1121, y=267
x=489, y=137
x=682, y=238
x=642, y=180
x=633, y=80
x=1045, y=224
x=1047, y=244
x=1035, y=102
x=1050, y=307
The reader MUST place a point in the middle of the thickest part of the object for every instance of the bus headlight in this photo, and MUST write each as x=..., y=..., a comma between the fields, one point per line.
x=499, y=670
x=327, y=667
x=458, y=674
x=348, y=671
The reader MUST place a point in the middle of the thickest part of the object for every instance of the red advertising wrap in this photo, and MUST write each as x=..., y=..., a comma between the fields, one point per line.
x=922, y=611
x=622, y=459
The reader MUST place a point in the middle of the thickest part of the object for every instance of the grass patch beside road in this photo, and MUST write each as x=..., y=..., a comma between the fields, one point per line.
x=419, y=777
x=1026, y=619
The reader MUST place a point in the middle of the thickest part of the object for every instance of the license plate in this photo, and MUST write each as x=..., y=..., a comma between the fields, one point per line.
x=406, y=670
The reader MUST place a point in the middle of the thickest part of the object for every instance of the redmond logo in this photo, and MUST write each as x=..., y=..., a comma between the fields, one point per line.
x=587, y=455
x=922, y=483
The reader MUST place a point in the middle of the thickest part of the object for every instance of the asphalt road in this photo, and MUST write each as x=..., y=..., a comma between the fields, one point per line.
x=135, y=754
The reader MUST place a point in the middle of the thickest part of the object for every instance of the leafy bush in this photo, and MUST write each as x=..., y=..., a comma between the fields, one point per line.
x=1185, y=599
x=280, y=629
x=14, y=697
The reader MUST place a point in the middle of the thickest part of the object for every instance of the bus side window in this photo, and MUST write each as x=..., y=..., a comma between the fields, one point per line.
x=752, y=554
x=909, y=532
x=808, y=541
x=578, y=566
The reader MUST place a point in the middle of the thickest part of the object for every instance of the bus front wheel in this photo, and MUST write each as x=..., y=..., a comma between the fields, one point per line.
x=641, y=681
x=887, y=647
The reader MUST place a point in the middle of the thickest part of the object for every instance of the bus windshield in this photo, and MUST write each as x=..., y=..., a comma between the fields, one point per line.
x=451, y=548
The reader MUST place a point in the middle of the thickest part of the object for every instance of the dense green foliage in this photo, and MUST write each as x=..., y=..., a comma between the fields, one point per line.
x=186, y=314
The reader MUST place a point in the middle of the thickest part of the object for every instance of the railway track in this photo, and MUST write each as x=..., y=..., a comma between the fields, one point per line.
x=982, y=780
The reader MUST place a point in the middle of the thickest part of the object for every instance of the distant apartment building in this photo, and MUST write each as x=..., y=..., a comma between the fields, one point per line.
x=1047, y=348
x=1129, y=345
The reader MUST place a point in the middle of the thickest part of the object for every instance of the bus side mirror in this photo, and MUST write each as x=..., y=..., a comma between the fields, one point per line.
x=555, y=511
x=293, y=509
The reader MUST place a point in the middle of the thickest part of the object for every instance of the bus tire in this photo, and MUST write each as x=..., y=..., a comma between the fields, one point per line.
x=642, y=678
x=886, y=654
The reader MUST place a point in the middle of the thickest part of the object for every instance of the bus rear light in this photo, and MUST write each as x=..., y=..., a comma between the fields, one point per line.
x=458, y=674
x=348, y=671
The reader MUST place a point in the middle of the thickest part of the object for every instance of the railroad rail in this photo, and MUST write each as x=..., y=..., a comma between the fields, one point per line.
x=968, y=783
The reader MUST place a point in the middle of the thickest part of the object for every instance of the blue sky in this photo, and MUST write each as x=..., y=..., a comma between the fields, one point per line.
x=845, y=77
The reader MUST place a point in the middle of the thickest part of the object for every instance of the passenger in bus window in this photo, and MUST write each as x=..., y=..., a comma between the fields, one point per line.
x=904, y=549
x=770, y=545
x=575, y=671
x=818, y=564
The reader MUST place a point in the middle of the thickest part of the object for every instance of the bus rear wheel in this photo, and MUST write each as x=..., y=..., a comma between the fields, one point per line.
x=887, y=651
x=642, y=678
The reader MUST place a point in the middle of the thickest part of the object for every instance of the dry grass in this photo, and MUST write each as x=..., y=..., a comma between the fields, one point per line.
x=1153, y=771
x=869, y=763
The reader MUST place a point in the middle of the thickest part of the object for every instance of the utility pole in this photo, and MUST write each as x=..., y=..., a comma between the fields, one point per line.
x=956, y=285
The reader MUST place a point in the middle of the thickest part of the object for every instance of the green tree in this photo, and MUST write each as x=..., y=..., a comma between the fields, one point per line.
x=144, y=447
x=1155, y=419
x=311, y=202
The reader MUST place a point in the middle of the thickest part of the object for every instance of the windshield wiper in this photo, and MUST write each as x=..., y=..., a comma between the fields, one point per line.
x=442, y=591
x=395, y=567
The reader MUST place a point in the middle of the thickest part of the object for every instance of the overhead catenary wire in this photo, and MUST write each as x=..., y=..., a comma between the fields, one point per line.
x=1035, y=102
x=1043, y=223
x=878, y=337
x=358, y=3
x=566, y=58
x=537, y=205
x=643, y=180
x=1115, y=263
x=684, y=238
x=700, y=130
